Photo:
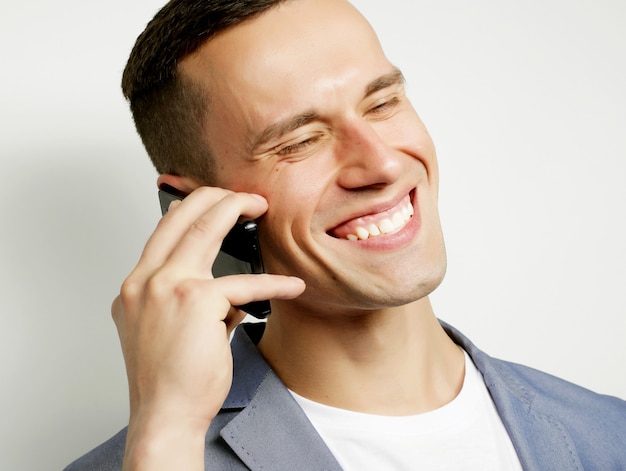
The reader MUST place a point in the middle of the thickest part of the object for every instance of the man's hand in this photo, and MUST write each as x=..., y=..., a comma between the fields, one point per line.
x=174, y=320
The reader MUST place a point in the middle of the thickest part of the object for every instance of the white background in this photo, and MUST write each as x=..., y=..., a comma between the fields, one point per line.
x=525, y=100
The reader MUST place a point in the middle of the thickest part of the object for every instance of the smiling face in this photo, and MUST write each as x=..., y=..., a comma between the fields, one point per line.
x=307, y=111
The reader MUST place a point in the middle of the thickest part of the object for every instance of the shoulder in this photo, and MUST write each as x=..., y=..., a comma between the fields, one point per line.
x=563, y=398
x=548, y=416
x=536, y=388
x=591, y=426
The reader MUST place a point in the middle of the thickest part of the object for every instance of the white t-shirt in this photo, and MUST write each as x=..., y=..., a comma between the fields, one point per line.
x=466, y=434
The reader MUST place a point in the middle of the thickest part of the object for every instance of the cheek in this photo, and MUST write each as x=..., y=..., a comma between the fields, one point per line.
x=295, y=188
x=413, y=138
x=285, y=211
x=294, y=192
x=280, y=236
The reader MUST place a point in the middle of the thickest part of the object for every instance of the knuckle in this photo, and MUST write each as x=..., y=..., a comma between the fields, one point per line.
x=194, y=294
x=201, y=228
x=163, y=289
x=158, y=285
x=128, y=301
x=131, y=289
x=188, y=291
x=235, y=198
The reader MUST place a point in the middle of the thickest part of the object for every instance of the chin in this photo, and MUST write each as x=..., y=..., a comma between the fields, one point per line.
x=417, y=286
x=396, y=293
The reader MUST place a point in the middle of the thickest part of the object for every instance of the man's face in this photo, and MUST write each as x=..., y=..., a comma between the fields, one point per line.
x=307, y=111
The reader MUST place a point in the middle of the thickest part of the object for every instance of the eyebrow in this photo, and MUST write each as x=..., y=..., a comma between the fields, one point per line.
x=392, y=78
x=280, y=128
x=274, y=131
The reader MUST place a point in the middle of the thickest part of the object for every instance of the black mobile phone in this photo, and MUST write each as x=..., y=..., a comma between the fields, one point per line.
x=240, y=252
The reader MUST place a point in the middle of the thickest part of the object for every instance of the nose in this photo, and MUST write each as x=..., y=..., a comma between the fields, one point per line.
x=365, y=160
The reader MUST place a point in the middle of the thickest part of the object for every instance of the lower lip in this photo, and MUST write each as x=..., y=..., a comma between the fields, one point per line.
x=396, y=240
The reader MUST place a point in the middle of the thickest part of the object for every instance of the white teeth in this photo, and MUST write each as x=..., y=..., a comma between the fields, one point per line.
x=398, y=219
x=362, y=233
x=385, y=226
x=373, y=230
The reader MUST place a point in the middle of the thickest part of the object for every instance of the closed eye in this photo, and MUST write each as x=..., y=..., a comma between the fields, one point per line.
x=384, y=107
x=296, y=147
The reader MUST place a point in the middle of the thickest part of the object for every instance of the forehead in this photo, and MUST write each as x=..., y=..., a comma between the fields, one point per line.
x=297, y=40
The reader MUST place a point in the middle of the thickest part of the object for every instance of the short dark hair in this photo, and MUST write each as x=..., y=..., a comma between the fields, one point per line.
x=169, y=108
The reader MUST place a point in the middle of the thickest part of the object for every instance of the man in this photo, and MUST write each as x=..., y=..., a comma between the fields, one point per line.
x=289, y=112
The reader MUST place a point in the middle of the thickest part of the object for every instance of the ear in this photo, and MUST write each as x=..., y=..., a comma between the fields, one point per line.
x=183, y=184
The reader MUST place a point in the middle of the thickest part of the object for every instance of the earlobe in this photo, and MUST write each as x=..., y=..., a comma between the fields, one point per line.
x=183, y=184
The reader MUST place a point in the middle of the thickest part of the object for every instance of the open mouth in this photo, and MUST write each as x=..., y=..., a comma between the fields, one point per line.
x=376, y=225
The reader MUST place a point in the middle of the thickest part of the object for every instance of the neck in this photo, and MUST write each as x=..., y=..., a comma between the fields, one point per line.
x=396, y=361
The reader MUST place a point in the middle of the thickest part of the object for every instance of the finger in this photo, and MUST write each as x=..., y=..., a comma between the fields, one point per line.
x=172, y=227
x=197, y=249
x=243, y=289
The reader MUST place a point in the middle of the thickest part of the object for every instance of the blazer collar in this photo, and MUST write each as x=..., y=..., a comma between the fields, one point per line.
x=272, y=431
x=540, y=439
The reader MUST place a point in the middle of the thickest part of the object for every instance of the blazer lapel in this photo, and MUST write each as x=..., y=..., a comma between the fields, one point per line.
x=271, y=432
x=541, y=441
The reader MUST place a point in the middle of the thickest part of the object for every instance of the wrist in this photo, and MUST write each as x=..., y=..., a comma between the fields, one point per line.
x=160, y=443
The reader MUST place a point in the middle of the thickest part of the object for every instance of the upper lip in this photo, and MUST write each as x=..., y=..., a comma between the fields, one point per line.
x=374, y=208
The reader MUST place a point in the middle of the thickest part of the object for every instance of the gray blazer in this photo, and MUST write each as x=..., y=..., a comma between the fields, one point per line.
x=553, y=424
